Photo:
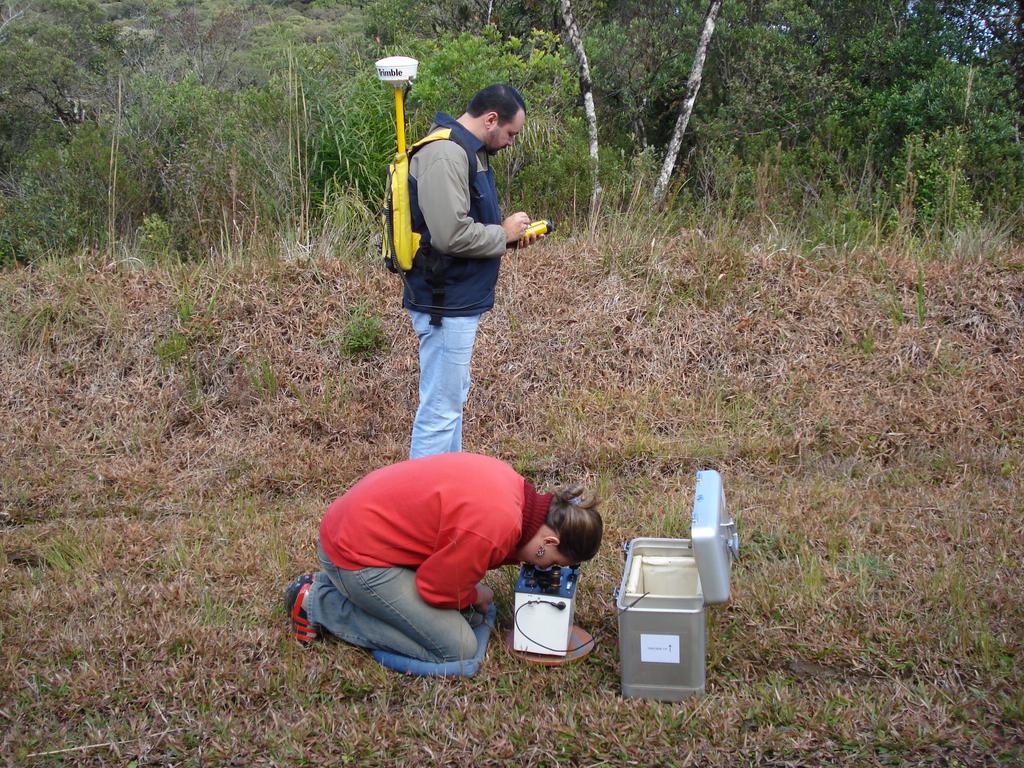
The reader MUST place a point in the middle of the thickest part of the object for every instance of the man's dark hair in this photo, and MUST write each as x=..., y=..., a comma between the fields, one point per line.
x=503, y=99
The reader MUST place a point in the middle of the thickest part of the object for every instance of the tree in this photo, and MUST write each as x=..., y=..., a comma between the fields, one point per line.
x=9, y=13
x=993, y=29
x=692, y=87
x=57, y=63
x=207, y=46
x=587, y=91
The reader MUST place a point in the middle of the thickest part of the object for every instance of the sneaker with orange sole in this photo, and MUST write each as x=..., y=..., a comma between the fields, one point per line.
x=304, y=631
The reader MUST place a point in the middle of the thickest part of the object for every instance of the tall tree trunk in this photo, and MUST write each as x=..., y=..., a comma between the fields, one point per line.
x=1017, y=54
x=692, y=86
x=587, y=89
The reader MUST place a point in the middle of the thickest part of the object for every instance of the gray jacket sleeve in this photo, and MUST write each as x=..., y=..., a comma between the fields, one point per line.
x=441, y=170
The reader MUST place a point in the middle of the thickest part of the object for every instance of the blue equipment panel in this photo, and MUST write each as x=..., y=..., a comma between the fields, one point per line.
x=557, y=581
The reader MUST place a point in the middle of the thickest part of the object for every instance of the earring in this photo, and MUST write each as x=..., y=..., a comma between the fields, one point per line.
x=540, y=552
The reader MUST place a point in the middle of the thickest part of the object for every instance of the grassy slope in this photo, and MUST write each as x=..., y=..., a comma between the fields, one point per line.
x=170, y=438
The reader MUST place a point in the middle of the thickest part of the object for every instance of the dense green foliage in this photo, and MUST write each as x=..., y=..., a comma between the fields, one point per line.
x=185, y=130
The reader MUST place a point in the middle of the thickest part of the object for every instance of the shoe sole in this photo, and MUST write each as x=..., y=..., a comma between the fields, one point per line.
x=304, y=632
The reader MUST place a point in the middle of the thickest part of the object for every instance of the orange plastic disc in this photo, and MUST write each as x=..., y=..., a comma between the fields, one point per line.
x=581, y=643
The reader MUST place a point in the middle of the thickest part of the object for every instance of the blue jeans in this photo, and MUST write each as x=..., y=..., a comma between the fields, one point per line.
x=381, y=608
x=445, y=355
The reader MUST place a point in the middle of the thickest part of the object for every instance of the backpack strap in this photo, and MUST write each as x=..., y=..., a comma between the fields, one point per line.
x=436, y=264
x=446, y=134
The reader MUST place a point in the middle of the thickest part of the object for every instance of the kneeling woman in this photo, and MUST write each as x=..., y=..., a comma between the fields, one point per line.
x=405, y=550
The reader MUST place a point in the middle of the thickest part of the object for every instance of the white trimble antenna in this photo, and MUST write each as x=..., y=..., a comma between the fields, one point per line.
x=397, y=70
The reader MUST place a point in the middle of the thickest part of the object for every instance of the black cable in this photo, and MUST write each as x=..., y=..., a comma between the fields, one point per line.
x=593, y=637
x=515, y=622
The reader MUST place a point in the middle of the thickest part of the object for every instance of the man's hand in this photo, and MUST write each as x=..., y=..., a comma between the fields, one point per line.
x=529, y=239
x=484, y=597
x=514, y=226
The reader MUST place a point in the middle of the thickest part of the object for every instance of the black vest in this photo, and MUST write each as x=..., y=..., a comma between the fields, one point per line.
x=451, y=286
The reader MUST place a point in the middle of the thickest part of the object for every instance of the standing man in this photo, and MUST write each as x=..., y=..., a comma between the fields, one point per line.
x=454, y=206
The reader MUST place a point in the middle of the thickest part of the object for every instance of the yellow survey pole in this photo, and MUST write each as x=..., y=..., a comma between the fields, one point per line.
x=400, y=119
x=400, y=241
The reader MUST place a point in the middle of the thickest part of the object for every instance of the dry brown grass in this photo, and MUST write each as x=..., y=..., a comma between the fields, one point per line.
x=171, y=436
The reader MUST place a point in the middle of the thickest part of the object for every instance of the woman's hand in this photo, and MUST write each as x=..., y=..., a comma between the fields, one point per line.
x=484, y=597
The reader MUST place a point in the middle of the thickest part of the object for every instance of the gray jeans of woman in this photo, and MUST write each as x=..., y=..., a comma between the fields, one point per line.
x=381, y=608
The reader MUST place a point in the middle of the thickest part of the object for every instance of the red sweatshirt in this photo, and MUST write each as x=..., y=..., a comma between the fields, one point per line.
x=451, y=517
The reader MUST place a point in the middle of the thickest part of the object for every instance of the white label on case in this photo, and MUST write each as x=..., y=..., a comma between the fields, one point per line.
x=659, y=649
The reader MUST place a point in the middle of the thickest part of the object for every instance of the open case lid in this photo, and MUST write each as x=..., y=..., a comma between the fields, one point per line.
x=713, y=537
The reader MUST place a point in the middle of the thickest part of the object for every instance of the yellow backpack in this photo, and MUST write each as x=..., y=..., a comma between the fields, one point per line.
x=399, y=243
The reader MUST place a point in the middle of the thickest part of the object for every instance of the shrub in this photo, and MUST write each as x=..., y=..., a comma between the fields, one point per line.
x=363, y=335
x=936, y=182
x=213, y=166
x=356, y=137
x=155, y=237
x=59, y=201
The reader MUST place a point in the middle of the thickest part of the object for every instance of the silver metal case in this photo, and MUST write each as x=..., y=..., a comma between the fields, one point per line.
x=713, y=536
x=660, y=601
